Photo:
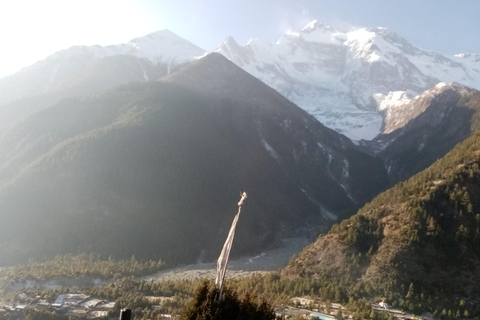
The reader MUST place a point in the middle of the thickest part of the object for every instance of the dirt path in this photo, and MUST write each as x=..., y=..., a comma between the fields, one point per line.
x=265, y=262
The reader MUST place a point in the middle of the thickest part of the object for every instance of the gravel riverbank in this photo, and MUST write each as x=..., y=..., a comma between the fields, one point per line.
x=243, y=267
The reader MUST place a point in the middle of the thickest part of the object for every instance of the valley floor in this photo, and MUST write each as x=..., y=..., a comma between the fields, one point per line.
x=271, y=260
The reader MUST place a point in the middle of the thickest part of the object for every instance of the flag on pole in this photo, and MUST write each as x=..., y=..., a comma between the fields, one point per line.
x=223, y=258
x=222, y=261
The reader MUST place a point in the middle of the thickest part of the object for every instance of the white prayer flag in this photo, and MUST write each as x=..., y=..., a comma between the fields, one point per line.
x=222, y=261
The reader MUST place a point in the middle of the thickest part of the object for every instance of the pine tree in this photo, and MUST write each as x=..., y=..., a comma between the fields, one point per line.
x=206, y=305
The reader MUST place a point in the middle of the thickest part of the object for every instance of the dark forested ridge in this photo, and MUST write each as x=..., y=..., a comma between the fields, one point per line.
x=416, y=244
x=155, y=169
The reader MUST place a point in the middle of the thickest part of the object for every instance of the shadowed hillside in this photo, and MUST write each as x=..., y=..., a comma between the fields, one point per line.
x=154, y=170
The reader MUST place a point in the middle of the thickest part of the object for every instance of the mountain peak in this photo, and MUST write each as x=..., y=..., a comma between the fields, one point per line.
x=383, y=31
x=314, y=31
x=162, y=33
x=228, y=44
x=160, y=36
x=446, y=86
x=162, y=46
x=317, y=25
x=392, y=37
x=215, y=73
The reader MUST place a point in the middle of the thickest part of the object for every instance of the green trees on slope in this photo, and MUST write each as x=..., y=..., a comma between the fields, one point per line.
x=423, y=233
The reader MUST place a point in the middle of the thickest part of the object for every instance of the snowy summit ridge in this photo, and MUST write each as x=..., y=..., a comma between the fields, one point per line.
x=348, y=80
x=162, y=46
x=83, y=70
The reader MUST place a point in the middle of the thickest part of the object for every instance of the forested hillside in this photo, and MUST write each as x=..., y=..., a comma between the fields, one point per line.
x=155, y=170
x=416, y=244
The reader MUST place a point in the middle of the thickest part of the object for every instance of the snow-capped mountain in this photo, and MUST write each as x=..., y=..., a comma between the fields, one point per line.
x=91, y=68
x=348, y=80
x=158, y=47
x=83, y=70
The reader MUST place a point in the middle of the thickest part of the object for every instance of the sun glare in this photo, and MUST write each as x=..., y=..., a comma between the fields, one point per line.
x=32, y=30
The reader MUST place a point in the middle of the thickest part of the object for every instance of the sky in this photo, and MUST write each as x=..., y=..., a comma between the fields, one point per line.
x=30, y=30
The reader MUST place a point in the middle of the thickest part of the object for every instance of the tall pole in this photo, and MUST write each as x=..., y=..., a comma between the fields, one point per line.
x=222, y=261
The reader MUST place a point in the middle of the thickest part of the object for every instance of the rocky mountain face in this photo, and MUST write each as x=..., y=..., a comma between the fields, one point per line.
x=348, y=80
x=416, y=244
x=154, y=169
x=83, y=70
x=426, y=128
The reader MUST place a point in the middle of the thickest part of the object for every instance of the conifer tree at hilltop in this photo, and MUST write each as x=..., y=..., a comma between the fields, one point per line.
x=206, y=305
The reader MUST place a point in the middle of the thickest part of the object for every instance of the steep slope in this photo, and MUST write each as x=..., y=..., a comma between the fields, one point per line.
x=154, y=169
x=82, y=70
x=426, y=128
x=416, y=244
x=346, y=79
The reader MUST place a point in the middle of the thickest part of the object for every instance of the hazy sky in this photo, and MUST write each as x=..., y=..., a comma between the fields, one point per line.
x=31, y=30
